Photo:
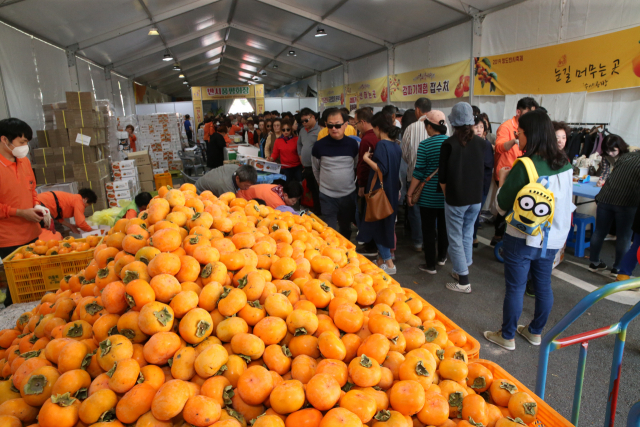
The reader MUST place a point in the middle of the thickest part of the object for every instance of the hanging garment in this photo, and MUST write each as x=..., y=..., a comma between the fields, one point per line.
x=598, y=146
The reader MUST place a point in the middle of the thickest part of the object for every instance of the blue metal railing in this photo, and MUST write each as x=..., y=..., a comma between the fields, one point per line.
x=551, y=342
x=633, y=419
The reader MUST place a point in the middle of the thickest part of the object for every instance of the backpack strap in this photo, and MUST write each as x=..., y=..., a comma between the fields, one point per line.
x=529, y=166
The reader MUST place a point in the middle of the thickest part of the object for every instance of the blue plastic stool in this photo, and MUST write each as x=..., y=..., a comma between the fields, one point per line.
x=577, y=239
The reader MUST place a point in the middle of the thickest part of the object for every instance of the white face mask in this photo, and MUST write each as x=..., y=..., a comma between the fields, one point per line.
x=20, y=152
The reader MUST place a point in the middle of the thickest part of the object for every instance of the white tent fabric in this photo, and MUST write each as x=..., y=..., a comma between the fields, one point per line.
x=332, y=78
x=370, y=67
x=20, y=76
x=34, y=72
x=443, y=48
x=538, y=23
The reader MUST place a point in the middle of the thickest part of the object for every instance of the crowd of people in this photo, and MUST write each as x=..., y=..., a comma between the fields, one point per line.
x=359, y=168
x=442, y=173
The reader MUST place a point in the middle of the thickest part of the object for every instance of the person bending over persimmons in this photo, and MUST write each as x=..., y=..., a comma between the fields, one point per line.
x=273, y=195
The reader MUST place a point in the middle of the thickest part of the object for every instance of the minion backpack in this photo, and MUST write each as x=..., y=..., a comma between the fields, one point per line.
x=533, y=208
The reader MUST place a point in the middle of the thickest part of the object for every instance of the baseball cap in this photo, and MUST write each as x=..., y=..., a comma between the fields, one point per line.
x=436, y=117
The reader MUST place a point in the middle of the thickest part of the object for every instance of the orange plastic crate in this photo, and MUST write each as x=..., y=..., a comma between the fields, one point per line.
x=162, y=179
x=547, y=416
x=30, y=279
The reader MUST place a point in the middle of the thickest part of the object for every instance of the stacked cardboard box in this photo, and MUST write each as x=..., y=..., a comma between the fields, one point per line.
x=125, y=186
x=72, y=145
x=159, y=134
x=52, y=138
x=105, y=107
x=53, y=165
x=49, y=116
x=145, y=170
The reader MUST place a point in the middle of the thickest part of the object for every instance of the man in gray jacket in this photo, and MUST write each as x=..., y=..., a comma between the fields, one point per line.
x=334, y=160
x=306, y=140
x=227, y=179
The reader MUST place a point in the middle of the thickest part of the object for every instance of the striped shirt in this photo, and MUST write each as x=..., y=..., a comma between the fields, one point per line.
x=622, y=188
x=413, y=135
x=427, y=160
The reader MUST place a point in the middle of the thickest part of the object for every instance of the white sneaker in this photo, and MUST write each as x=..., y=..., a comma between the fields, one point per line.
x=389, y=270
x=457, y=287
x=442, y=261
x=496, y=338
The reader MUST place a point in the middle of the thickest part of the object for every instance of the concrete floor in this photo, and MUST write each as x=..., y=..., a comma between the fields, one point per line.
x=482, y=310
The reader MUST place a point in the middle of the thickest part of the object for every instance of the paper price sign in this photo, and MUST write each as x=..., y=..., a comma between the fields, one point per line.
x=83, y=139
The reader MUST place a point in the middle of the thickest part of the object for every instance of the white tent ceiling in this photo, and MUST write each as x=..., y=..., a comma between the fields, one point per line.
x=225, y=42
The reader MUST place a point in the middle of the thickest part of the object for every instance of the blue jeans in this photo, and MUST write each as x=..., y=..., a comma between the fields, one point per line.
x=413, y=215
x=339, y=212
x=384, y=252
x=522, y=261
x=477, y=223
x=605, y=215
x=630, y=259
x=460, y=221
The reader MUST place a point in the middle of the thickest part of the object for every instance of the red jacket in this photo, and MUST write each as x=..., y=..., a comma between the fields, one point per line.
x=287, y=151
x=369, y=140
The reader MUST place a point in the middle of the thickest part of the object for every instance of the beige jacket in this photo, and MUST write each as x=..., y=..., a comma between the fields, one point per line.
x=268, y=145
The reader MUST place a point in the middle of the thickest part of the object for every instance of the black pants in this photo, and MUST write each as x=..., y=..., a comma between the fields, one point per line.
x=340, y=212
x=292, y=174
x=429, y=217
x=189, y=135
x=4, y=252
x=312, y=185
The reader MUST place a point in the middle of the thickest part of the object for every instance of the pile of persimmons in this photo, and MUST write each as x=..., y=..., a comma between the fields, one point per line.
x=55, y=247
x=218, y=311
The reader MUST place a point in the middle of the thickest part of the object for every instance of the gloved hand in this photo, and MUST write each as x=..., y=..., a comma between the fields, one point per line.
x=48, y=223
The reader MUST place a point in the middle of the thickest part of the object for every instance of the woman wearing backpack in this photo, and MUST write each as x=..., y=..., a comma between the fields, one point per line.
x=523, y=253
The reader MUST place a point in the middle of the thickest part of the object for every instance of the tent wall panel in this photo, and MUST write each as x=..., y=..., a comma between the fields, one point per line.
x=446, y=47
x=20, y=77
x=53, y=72
x=84, y=76
x=370, y=67
x=271, y=104
x=100, y=86
x=35, y=72
x=332, y=78
x=118, y=100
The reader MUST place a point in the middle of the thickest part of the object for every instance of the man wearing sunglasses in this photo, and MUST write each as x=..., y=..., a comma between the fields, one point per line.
x=334, y=160
x=306, y=140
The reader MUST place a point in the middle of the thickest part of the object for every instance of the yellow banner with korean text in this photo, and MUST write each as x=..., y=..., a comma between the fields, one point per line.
x=372, y=91
x=449, y=81
x=607, y=62
x=332, y=97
